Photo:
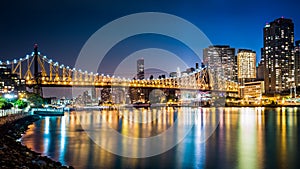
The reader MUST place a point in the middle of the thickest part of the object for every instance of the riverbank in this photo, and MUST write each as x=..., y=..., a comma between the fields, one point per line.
x=15, y=155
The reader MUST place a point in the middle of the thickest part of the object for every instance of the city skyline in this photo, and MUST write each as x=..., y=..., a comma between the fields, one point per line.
x=61, y=29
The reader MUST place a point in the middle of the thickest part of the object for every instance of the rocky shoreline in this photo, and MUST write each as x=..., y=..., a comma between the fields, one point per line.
x=15, y=155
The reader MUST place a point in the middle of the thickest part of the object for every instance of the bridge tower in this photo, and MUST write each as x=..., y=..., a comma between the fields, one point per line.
x=37, y=88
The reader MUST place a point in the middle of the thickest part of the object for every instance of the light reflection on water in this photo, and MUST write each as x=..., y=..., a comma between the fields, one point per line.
x=245, y=138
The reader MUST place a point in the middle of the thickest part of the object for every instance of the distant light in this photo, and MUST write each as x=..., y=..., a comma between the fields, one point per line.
x=9, y=96
x=7, y=62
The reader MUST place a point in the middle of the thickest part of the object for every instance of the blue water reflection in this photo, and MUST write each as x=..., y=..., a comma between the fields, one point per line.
x=244, y=138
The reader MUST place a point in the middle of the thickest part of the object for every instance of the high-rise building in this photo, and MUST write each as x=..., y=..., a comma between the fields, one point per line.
x=246, y=61
x=278, y=55
x=297, y=63
x=9, y=82
x=222, y=60
x=140, y=69
x=260, y=69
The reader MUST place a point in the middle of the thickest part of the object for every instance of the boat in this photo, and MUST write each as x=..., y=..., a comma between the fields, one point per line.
x=48, y=111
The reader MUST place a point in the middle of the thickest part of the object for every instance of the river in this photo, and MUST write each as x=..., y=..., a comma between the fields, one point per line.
x=225, y=138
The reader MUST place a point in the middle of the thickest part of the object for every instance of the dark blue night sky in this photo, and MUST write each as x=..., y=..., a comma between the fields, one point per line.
x=61, y=27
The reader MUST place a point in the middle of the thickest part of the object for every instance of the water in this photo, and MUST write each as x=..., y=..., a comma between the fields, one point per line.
x=224, y=138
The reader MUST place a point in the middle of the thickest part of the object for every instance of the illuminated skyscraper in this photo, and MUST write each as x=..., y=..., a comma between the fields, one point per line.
x=222, y=60
x=297, y=63
x=278, y=55
x=140, y=69
x=246, y=61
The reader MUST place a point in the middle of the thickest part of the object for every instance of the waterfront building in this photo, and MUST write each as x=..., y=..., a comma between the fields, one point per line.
x=297, y=63
x=278, y=55
x=260, y=68
x=254, y=89
x=221, y=60
x=246, y=61
x=9, y=82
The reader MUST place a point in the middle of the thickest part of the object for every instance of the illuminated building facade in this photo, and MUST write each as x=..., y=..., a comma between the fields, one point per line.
x=254, y=89
x=246, y=63
x=222, y=60
x=297, y=63
x=278, y=55
x=10, y=83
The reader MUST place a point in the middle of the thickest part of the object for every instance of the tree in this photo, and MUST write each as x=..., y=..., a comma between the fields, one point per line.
x=4, y=104
x=20, y=104
x=35, y=99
